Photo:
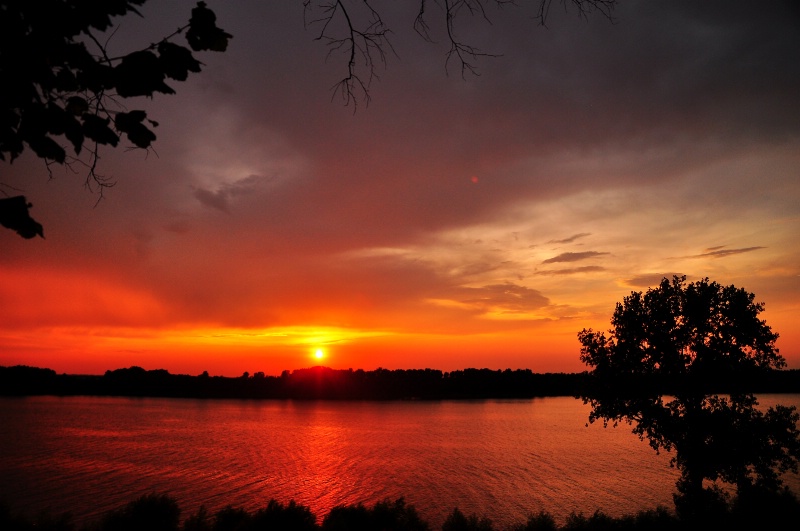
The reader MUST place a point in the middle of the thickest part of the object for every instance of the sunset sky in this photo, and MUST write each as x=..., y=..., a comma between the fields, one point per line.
x=451, y=223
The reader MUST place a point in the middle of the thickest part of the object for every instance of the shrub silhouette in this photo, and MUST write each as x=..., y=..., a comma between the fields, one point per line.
x=153, y=512
x=347, y=518
x=765, y=509
x=279, y=517
x=538, y=522
x=199, y=521
x=45, y=522
x=759, y=509
x=458, y=521
x=231, y=519
x=385, y=515
x=397, y=516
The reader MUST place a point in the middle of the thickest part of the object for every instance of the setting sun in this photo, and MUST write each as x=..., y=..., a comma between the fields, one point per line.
x=319, y=354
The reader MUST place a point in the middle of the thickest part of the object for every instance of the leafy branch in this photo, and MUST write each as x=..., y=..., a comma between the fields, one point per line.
x=54, y=87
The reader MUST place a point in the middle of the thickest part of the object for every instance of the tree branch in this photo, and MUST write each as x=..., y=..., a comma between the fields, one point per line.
x=365, y=45
x=355, y=28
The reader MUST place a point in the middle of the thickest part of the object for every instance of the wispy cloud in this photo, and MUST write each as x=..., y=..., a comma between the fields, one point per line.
x=571, y=271
x=221, y=198
x=721, y=252
x=573, y=257
x=504, y=297
x=571, y=238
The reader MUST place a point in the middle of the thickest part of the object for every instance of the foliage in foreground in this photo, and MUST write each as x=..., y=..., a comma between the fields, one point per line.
x=160, y=512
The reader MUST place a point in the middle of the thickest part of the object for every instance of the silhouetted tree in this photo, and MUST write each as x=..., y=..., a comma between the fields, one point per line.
x=667, y=350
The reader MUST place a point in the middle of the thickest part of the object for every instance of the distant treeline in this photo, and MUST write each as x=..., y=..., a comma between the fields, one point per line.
x=380, y=384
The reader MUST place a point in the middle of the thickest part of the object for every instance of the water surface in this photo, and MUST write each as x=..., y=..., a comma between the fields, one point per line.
x=503, y=459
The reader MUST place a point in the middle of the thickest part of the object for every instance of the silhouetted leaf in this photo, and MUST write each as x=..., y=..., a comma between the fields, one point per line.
x=14, y=215
x=96, y=77
x=55, y=119
x=101, y=19
x=12, y=146
x=98, y=129
x=33, y=121
x=177, y=61
x=61, y=122
x=46, y=148
x=77, y=106
x=203, y=33
x=140, y=74
x=37, y=120
x=136, y=116
x=66, y=81
x=74, y=133
x=131, y=124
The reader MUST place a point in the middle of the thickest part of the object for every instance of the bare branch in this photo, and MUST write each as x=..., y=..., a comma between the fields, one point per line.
x=355, y=28
x=365, y=45
x=420, y=25
x=584, y=7
x=465, y=53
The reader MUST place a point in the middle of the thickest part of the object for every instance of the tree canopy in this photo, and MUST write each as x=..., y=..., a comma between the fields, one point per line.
x=668, y=352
